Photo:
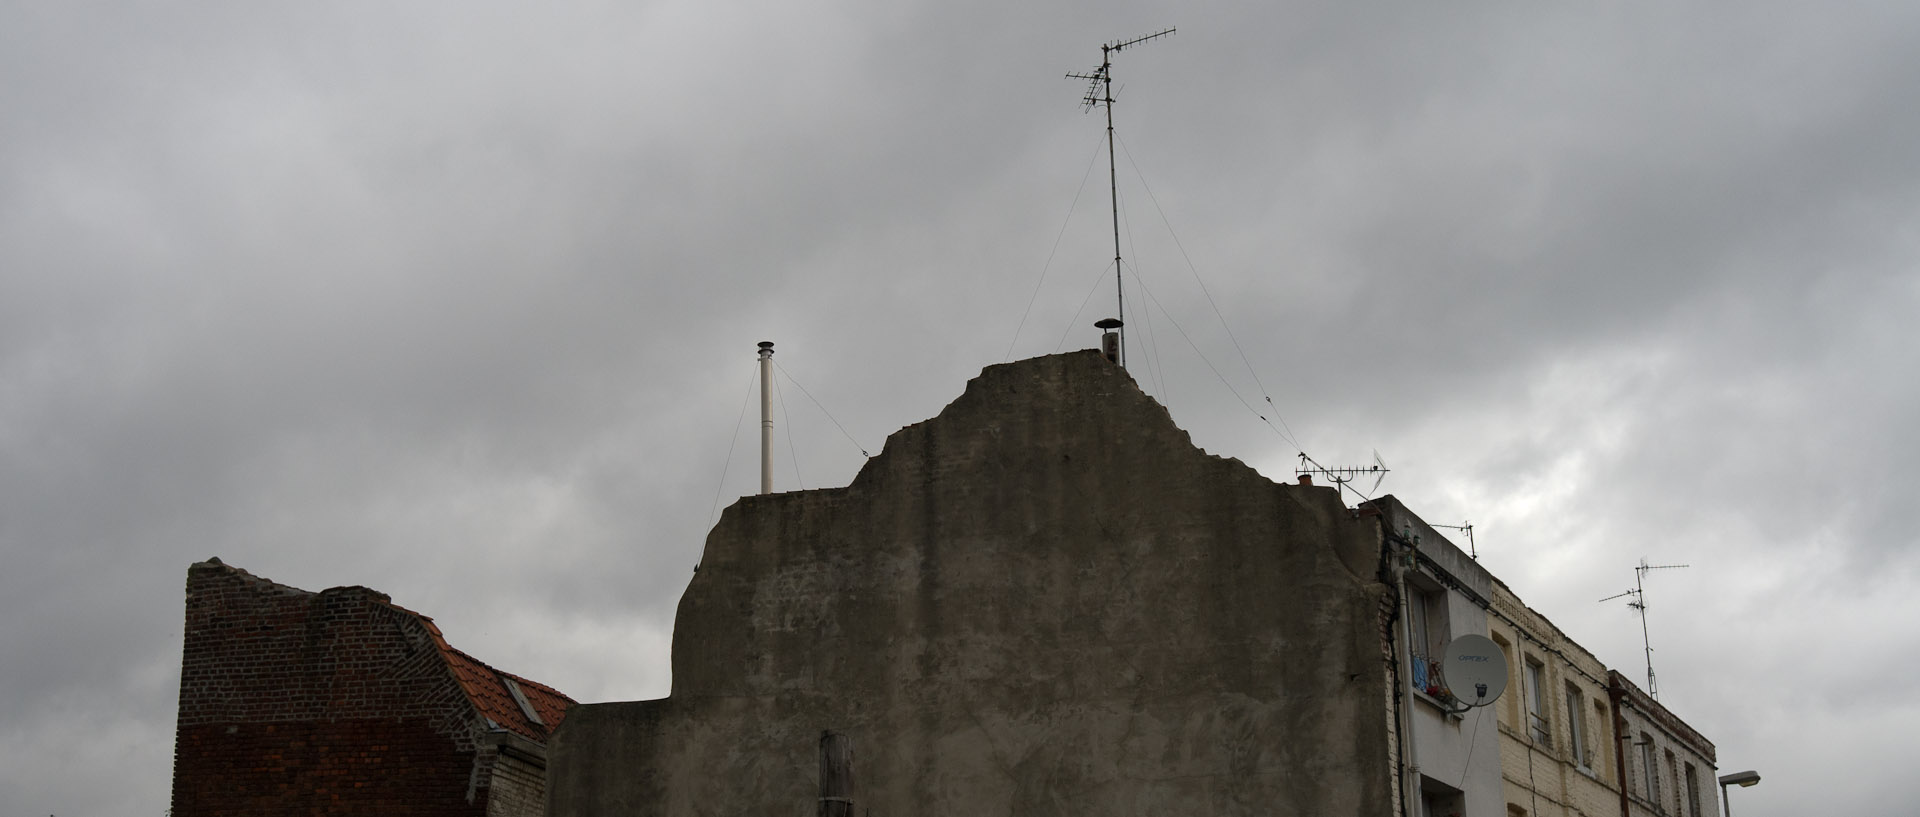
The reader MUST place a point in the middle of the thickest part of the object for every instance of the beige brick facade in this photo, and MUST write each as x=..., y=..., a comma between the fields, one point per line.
x=1556, y=724
x=1572, y=731
x=1670, y=767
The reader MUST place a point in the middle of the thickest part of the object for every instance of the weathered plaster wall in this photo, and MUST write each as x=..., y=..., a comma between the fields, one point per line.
x=1043, y=601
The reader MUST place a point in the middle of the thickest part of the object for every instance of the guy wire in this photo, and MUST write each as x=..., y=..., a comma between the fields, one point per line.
x=1051, y=253
x=726, y=464
x=791, y=451
x=1208, y=293
x=823, y=409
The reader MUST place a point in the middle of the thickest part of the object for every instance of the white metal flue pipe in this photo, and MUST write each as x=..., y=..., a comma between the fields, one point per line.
x=766, y=416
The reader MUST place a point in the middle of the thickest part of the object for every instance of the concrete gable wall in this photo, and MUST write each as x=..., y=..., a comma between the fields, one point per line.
x=1043, y=601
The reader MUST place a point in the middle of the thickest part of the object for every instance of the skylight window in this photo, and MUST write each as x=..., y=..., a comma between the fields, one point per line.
x=526, y=707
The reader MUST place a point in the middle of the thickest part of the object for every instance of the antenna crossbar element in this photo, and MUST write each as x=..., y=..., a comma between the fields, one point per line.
x=1117, y=45
x=1345, y=473
x=1340, y=477
x=1093, y=96
x=1467, y=528
x=1100, y=92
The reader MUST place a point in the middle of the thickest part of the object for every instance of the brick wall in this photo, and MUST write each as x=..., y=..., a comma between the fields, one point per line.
x=1553, y=777
x=1394, y=685
x=335, y=702
x=519, y=782
x=1674, y=747
x=357, y=766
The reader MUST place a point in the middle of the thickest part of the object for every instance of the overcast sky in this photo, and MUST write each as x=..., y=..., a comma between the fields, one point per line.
x=459, y=301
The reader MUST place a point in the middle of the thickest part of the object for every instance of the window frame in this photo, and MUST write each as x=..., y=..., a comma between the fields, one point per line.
x=1539, y=728
x=1577, y=744
x=1510, y=706
x=1693, y=791
x=1427, y=611
x=1429, y=630
x=1673, y=772
x=1604, y=737
x=1650, y=772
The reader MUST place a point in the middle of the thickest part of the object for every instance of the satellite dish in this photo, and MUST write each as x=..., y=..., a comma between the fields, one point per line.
x=1475, y=669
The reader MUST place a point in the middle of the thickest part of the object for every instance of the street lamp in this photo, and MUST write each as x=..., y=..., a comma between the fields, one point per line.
x=1746, y=778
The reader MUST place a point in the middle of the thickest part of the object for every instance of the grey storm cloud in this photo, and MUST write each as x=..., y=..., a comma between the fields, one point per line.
x=458, y=301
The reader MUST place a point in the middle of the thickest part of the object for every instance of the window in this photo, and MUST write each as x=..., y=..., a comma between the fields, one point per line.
x=1417, y=618
x=1427, y=621
x=1673, y=774
x=1693, y=792
x=519, y=697
x=1604, y=738
x=1427, y=612
x=1649, y=772
x=1577, y=728
x=1506, y=710
x=1537, y=702
x=1440, y=800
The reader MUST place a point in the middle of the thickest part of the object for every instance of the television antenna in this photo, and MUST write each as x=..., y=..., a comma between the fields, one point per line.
x=1639, y=604
x=1466, y=527
x=1100, y=91
x=1340, y=477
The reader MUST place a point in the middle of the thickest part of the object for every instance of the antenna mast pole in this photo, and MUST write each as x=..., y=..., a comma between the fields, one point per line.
x=1113, y=191
x=1100, y=92
x=1639, y=603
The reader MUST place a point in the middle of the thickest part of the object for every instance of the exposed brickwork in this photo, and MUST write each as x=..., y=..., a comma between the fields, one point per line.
x=360, y=766
x=519, y=784
x=1389, y=661
x=1387, y=618
x=1556, y=775
x=339, y=702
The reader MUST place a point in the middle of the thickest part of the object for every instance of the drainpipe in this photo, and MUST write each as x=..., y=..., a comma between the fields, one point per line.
x=1388, y=569
x=1409, y=745
x=1614, y=696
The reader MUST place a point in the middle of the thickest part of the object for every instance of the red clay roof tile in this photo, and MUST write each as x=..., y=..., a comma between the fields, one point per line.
x=489, y=693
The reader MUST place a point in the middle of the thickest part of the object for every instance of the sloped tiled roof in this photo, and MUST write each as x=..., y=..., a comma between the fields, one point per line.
x=487, y=689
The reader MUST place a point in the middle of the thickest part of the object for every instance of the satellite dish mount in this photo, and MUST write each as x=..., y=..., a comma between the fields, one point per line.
x=1475, y=664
